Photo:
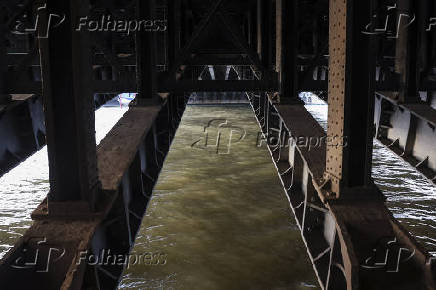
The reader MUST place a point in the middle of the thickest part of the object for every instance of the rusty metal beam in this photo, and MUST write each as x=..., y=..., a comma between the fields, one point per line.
x=265, y=25
x=69, y=109
x=173, y=30
x=22, y=131
x=351, y=96
x=128, y=172
x=352, y=243
x=241, y=42
x=198, y=33
x=407, y=49
x=218, y=86
x=218, y=60
x=287, y=50
x=22, y=128
x=4, y=96
x=146, y=56
x=409, y=131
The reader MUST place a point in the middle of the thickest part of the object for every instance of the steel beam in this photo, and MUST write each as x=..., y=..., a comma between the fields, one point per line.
x=265, y=16
x=241, y=43
x=409, y=131
x=351, y=96
x=69, y=108
x=353, y=243
x=287, y=50
x=22, y=131
x=173, y=30
x=407, y=49
x=217, y=86
x=146, y=56
x=128, y=173
x=198, y=33
x=199, y=60
x=4, y=96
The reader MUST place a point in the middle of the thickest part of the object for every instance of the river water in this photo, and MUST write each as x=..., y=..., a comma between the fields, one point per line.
x=24, y=187
x=219, y=213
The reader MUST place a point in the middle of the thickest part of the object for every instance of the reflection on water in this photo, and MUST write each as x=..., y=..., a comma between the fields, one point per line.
x=411, y=197
x=25, y=186
x=222, y=220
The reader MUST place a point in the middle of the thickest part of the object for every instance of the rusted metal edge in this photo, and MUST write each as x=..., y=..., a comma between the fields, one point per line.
x=352, y=268
x=299, y=110
x=360, y=226
x=422, y=111
x=117, y=151
x=425, y=114
x=25, y=117
x=74, y=234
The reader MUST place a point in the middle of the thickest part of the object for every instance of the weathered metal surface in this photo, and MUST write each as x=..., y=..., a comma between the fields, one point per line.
x=22, y=128
x=351, y=96
x=218, y=86
x=341, y=235
x=69, y=107
x=409, y=131
x=353, y=242
x=22, y=131
x=56, y=244
x=287, y=40
x=128, y=172
x=115, y=154
x=301, y=124
x=146, y=47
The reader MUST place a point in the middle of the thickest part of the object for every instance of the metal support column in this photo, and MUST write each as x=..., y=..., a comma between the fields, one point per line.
x=287, y=50
x=173, y=30
x=407, y=50
x=252, y=24
x=146, y=57
x=351, y=96
x=4, y=98
x=69, y=107
x=265, y=32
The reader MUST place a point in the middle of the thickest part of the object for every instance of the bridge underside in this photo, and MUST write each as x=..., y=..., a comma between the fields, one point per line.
x=378, y=84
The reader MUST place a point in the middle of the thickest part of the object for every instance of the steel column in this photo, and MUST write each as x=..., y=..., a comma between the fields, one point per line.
x=69, y=107
x=351, y=96
x=287, y=50
x=173, y=30
x=265, y=32
x=146, y=56
x=4, y=97
x=407, y=49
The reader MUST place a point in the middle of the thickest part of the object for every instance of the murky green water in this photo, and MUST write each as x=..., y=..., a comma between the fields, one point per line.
x=222, y=220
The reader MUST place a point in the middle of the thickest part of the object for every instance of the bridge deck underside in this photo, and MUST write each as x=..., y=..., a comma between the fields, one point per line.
x=128, y=172
x=328, y=227
x=280, y=47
